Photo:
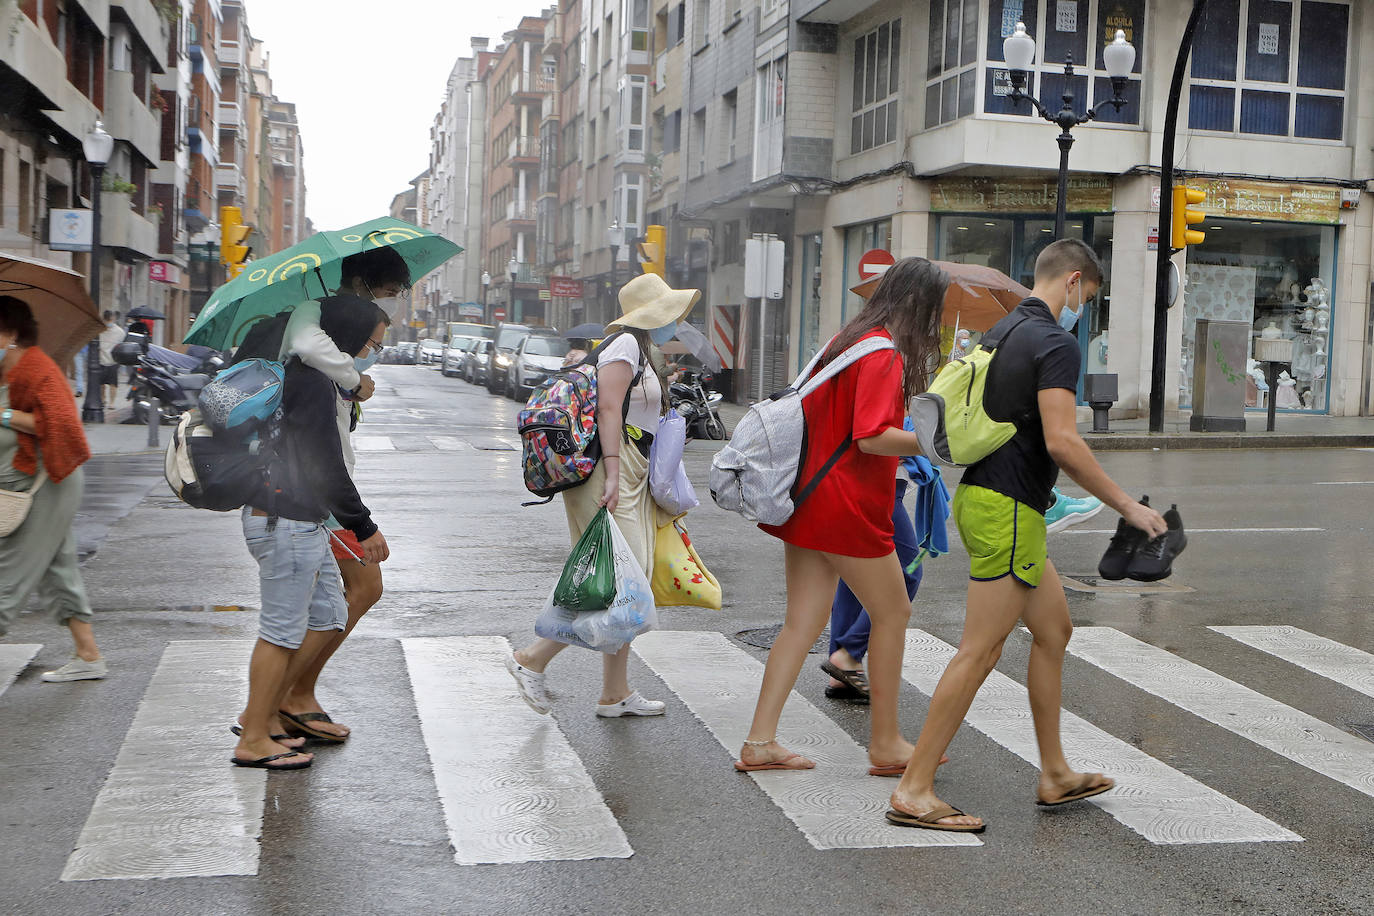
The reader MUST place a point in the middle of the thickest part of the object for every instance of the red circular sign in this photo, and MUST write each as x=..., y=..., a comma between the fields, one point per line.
x=498, y=314
x=875, y=262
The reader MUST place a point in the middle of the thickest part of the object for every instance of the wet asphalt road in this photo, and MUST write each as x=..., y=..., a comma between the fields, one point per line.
x=363, y=830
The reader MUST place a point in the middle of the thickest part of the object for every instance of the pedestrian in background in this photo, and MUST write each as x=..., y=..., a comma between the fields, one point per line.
x=845, y=529
x=42, y=449
x=109, y=369
x=625, y=370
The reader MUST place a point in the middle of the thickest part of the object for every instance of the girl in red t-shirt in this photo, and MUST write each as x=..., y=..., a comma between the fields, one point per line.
x=844, y=530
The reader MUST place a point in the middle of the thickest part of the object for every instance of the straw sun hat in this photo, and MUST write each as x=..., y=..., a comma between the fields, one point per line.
x=646, y=302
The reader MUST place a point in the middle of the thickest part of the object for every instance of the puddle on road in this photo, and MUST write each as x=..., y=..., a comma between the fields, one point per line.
x=1094, y=585
x=181, y=608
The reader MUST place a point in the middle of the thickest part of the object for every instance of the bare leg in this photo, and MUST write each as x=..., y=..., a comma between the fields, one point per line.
x=1047, y=617
x=311, y=646
x=879, y=585
x=537, y=655
x=266, y=676
x=993, y=609
x=811, y=582
x=615, y=676
x=83, y=637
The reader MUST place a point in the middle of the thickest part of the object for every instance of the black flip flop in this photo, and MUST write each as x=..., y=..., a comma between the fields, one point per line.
x=265, y=763
x=301, y=723
x=855, y=680
x=237, y=730
x=848, y=694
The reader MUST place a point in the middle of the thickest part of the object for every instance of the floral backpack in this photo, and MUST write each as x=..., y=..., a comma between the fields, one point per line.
x=559, y=444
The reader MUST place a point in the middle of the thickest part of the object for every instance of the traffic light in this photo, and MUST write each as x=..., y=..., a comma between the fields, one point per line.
x=232, y=231
x=652, y=250
x=1183, y=217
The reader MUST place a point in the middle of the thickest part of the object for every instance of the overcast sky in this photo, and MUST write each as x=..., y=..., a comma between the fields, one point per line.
x=367, y=78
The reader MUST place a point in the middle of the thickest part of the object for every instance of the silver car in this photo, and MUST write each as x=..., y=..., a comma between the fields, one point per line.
x=451, y=363
x=477, y=361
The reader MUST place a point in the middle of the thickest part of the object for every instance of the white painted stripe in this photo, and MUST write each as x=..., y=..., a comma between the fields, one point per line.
x=512, y=788
x=1346, y=665
x=837, y=805
x=1203, y=530
x=1282, y=729
x=1344, y=483
x=1158, y=802
x=14, y=659
x=373, y=444
x=450, y=444
x=174, y=806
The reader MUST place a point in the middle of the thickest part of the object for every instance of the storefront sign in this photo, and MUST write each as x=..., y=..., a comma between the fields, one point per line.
x=1293, y=203
x=69, y=230
x=545, y=295
x=469, y=310
x=1087, y=194
x=1152, y=238
x=565, y=287
x=163, y=272
x=1066, y=16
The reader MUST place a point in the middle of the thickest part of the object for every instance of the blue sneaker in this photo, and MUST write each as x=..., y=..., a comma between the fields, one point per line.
x=1067, y=511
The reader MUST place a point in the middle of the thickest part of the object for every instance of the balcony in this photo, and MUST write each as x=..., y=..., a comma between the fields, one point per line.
x=121, y=227
x=525, y=148
x=518, y=212
x=147, y=24
x=127, y=118
x=230, y=53
x=527, y=273
x=230, y=116
x=548, y=108
x=527, y=86
x=229, y=175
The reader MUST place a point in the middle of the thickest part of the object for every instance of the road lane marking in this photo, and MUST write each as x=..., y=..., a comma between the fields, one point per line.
x=1202, y=530
x=512, y=788
x=450, y=444
x=495, y=444
x=13, y=660
x=1158, y=802
x=373, y=444
x=173, y=806
x=837, y=805
x=1286, y=731
x=1344, y=483
x=1346, y=665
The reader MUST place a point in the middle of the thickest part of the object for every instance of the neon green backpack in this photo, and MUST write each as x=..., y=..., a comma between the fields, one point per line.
x=950, y=421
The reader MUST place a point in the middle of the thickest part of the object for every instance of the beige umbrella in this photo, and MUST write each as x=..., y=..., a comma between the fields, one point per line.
x=66, y=314
x=978, y=297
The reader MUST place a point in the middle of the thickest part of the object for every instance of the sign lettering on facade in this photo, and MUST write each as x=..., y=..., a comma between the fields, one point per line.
x=1087, y=194
x=1012, y=12
x=1293, y=203
x=565, y=287
x=1269, y=38
x=1066, y=16
x=69, y=230
x=1118, y=20
x=163, y=272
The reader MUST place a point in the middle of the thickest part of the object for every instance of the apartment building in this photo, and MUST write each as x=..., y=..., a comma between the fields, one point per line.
x=457, y=283
x=558, y=233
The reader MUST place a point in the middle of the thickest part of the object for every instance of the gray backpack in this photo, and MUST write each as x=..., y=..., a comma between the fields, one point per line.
x=756, y=473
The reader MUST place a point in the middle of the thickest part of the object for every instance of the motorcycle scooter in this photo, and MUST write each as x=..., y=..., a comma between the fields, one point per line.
x=698, y=406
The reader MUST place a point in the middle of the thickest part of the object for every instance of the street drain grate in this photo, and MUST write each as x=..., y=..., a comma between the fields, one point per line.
x=1364, y=731
x=1095, y=585
x=763, y=638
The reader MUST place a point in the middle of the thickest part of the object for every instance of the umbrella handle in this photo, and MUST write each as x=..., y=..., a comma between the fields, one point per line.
x=320, y=276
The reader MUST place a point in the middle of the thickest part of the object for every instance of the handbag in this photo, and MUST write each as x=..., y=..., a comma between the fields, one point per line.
x=15, y=506
x=680, y=578
x=668, y=481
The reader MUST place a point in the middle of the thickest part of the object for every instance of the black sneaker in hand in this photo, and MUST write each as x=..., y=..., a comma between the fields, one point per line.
x=1155, y=560
x=1127, y=540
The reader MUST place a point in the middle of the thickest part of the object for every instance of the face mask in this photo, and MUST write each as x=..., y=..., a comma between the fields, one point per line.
x=389, y=304
x=1068, y=319
x=364, y=363
x=661, y=336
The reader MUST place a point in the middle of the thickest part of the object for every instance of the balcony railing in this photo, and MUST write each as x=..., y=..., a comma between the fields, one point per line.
x=229, y=115
x=527, y=273
x=229, y=53
x=524, y=148
x=515, y=210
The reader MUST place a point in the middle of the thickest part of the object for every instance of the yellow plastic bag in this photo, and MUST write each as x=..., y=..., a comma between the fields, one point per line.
x=680, y=579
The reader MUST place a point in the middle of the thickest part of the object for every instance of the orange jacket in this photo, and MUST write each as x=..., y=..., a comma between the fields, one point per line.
x=37, y=386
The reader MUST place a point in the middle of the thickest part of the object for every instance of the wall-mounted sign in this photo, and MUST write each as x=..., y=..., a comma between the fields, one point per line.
x=565, y=287
x=469, y=310
x=1087, y=194
x=545, y=295
x=69, y=230
x=1283, y=201
x=164, y=272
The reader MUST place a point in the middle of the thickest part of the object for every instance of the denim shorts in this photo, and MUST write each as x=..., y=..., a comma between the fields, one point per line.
x=300, y=580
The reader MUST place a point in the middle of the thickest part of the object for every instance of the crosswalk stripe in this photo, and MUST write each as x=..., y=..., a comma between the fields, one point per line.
x=1346, y=665
x=373, y=444
x=837, y=805
x=173, y=806
x=1158, y=802
x=1286, y=731
x=512, y=788
x=14, y=659
x=449, y=444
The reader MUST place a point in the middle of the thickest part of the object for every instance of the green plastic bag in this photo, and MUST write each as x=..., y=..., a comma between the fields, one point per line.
x=588, y=579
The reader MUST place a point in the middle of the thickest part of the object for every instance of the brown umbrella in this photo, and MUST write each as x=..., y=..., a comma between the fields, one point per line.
x=978, y=297
x=67, y=316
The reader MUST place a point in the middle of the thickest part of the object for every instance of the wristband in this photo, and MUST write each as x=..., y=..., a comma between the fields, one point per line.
x=609, y=457
x=5, y=418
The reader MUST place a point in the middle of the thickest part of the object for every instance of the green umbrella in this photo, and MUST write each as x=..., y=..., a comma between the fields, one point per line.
x=309, y=270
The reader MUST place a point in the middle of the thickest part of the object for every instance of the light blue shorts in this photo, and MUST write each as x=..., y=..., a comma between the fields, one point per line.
x=300, y=581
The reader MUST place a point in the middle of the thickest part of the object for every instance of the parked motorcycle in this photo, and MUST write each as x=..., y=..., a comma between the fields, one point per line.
x=698, y=405
x=167, y=381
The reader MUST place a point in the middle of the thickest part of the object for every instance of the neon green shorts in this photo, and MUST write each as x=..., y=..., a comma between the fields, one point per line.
x=1002, y=536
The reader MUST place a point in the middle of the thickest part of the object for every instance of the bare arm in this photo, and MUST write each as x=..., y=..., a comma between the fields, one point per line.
x=892, y=442
x=23, y=422
x=612, y=387
x=1071, y=453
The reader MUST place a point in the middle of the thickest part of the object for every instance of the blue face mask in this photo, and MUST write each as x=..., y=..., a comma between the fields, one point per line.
x=364, y=363
x=1068, y=319
x=661, y=336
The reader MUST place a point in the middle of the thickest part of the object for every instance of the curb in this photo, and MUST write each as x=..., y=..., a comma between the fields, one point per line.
x=1130, y=442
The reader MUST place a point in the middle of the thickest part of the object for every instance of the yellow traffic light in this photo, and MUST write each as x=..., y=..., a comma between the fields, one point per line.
x=1183, y=217
x=652, y=250
x=232, y=231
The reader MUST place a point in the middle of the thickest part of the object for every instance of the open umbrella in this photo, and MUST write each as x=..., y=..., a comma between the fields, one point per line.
x=978, y=297
x=66, y=314
x=308, y=270
x=146, y=313
x=588, y=331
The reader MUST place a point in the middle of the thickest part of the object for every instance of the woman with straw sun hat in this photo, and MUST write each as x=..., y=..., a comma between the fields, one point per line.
x=630, y=399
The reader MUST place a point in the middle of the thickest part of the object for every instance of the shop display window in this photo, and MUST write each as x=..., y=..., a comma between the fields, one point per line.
x=809, y=341
x=1278, y=278
x=857, y=240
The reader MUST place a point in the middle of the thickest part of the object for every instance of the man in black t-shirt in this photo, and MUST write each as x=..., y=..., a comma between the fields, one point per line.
x=999, y=509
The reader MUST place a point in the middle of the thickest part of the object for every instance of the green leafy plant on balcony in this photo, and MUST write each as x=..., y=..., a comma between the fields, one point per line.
x=118, y=184
x=169, y=10
x=156, y=213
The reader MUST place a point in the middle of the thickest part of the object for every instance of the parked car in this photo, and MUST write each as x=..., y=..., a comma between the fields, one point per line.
x=451, y=362
x=539, y=354
x=456, y=337
x=407, y=353
x=508, y=337
x=431, y=351
x=477, y=361
x=388, y=355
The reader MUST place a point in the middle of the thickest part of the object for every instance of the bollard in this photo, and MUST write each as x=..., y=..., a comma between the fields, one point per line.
x=1099, y=390
x=154, y=418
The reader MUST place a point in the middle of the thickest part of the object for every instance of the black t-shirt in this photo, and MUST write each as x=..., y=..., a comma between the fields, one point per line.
x=1034, y=355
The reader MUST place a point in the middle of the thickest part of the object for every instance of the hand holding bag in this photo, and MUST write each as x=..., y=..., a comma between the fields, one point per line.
x=668, y=481
x=631, y=613
x=15, y=506
x=588, y=579
x=680, y=578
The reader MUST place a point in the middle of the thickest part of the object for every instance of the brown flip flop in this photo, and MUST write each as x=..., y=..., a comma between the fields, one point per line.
x=772, y=764
x=931, y=820
x=855, y=680
x=301, y=725
x=896, y=769
x=1083, y=790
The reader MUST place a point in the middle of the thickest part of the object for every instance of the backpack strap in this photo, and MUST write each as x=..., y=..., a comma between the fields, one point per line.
x=1002, y=337
x=591, y=360
x=846, y=359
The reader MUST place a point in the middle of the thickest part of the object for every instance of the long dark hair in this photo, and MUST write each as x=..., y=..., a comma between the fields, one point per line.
x=908, y=302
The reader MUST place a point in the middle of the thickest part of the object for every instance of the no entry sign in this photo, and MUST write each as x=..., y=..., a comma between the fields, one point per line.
x=498, y=314
x=875, y=262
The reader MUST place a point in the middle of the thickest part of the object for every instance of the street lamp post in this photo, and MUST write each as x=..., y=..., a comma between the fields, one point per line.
x=1019, y=51
x=512, y=268
x=486, y=282
x=97, y=146
x=615, y=237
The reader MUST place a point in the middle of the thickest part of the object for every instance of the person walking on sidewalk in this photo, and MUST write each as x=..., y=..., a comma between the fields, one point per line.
x=999, y=510
x=624, y=370
x=42, y=449
x=303, y=606
x=845, y=530
x=109, y=369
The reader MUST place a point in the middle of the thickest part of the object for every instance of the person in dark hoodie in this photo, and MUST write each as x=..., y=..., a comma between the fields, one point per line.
x=303, y=606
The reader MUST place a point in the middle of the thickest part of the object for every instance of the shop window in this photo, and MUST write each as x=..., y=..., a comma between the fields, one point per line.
x=952, y=71
x=1246, y=48
x=857, y=240
x=877, y=71
x=809, y=342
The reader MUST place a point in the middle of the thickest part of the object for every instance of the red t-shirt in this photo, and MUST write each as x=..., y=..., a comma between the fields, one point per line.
x=850, y=511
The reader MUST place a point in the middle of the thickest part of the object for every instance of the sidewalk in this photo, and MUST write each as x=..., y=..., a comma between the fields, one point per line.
x=113, y=437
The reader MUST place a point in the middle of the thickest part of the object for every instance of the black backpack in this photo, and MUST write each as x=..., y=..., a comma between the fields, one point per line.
x=263, y=340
